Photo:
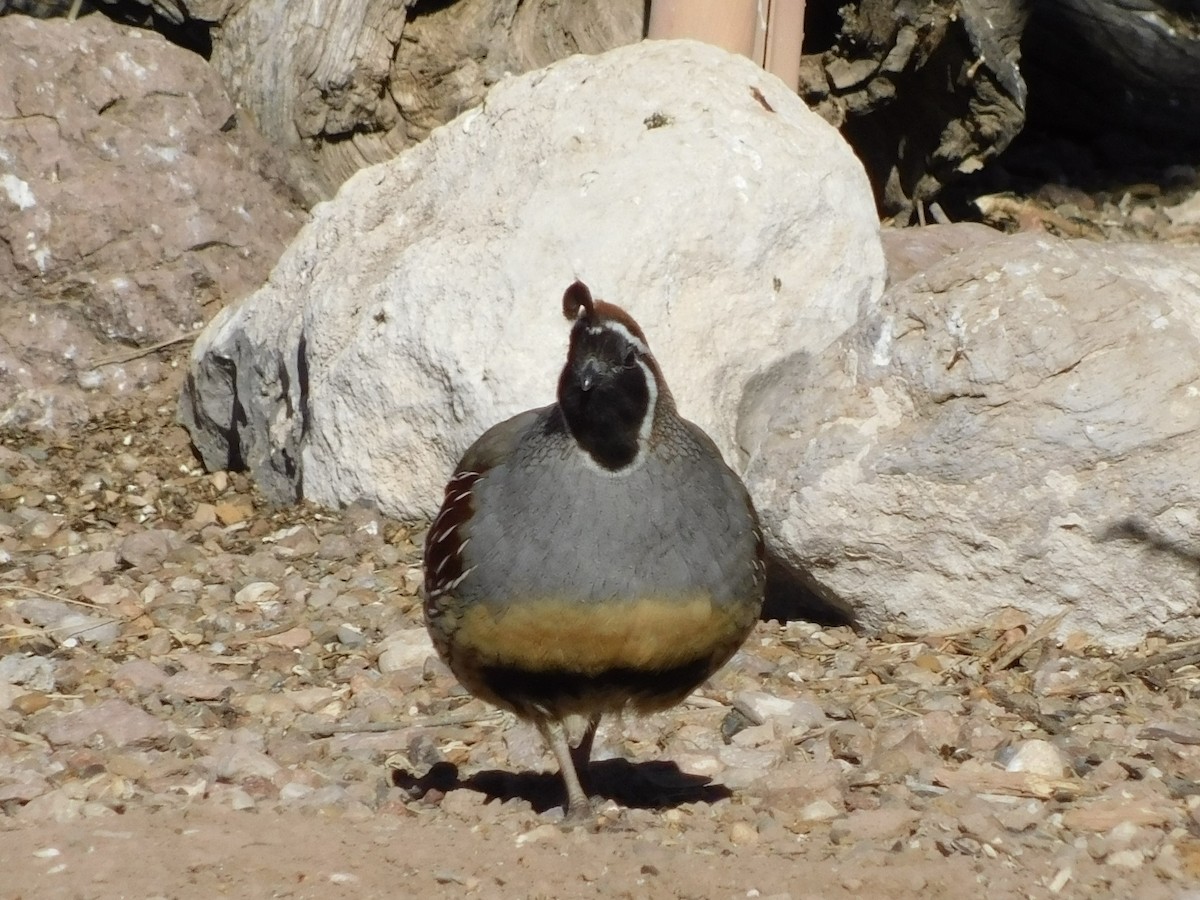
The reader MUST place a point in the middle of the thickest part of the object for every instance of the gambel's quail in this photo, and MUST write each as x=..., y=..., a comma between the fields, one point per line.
x=593, y=555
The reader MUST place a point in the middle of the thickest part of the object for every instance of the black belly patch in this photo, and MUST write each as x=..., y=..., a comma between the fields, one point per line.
x=560, y=690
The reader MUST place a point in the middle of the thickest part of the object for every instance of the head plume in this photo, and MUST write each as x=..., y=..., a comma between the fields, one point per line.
x=577, y=302
x=578, y=306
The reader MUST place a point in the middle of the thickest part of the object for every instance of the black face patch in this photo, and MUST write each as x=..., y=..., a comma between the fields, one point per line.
x=604, y=395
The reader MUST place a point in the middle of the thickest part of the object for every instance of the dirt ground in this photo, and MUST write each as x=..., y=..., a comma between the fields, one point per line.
x=208, y=853
x=205, y=697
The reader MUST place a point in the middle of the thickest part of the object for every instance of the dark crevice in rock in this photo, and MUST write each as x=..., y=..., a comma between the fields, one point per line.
x=428, y=7
x=236, y=462
x=302, y=386
x=791, y=595
x=1132, y=68
x=822, y=22
x=189, y=33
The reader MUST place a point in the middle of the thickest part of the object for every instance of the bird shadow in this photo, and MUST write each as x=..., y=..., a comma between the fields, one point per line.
x=645, y=785
x=1132, y=528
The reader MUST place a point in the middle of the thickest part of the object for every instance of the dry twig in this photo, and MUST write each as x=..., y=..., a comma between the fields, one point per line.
x=1027, y=708
x=399, y=724
x=24, y=589
x=1186, y=653
x=145, y=351
x=1019, y=649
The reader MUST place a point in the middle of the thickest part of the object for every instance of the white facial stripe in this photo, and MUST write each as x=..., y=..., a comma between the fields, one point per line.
x=652, y=387
x=624, y=332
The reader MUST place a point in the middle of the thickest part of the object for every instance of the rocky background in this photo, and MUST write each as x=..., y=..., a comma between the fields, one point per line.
x=202, y=692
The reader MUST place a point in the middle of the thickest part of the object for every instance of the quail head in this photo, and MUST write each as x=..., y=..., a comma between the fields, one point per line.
x=594, y=555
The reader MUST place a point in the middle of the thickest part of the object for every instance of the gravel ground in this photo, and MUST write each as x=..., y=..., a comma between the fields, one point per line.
x=1038, y=184
x=200, y=695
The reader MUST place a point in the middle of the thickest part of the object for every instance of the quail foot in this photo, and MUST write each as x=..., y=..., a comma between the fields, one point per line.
x=594, y=555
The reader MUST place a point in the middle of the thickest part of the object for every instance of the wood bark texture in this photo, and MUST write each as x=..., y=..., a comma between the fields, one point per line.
x=923, y=89
x=344, y=84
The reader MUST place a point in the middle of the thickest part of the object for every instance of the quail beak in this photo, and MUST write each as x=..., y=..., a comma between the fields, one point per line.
x=589, y=374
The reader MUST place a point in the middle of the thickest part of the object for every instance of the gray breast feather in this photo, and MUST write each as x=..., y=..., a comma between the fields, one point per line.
x=679, y=525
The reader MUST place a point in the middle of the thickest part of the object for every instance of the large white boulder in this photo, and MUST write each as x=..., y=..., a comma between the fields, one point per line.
x=422, y=304
x=1018, y=426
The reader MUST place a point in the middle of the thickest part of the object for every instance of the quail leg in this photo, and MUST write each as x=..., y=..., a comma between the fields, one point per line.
x=581, y=753
x=579, y=807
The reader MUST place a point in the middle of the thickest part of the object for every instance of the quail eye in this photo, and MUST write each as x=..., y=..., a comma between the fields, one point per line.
x=630, y=358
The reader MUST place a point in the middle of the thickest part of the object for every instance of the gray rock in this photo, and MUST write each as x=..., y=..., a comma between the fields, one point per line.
x=115, y=722
x=760, y=707
x=351, y=635
x=25, y=790
x=237, y=760
x=88, y=566
x=196, y=686
x=52, y=806
x=62, y=621
x=405, y=648
x=1039, y=757
x=34, y=672
x=131, y=198
x=1017, y=427
x=400, y=325
x=139, y=675
x=146, y=550
x=910, y=251
x=8, y=693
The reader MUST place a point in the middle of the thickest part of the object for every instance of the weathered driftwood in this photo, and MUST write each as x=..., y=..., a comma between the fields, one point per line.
x=924, y=89
x=344, y=85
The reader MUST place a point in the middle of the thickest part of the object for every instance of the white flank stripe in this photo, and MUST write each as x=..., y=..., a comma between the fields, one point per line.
x=451, y=585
